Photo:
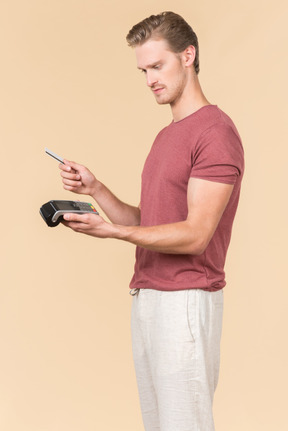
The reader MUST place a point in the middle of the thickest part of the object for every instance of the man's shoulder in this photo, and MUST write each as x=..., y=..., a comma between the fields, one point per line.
x=213, y=116
x=208, y=122
x=215, y=121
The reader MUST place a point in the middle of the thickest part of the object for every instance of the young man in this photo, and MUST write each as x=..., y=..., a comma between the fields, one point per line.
x=190, y=190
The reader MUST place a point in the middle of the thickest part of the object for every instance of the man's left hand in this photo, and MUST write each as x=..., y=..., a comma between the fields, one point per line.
x=89, y=224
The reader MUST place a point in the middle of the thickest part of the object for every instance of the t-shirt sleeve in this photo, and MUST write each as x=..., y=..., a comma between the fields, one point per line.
x=218, y=155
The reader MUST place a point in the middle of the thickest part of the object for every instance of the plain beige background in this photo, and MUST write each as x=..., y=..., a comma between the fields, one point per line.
x=69, y=82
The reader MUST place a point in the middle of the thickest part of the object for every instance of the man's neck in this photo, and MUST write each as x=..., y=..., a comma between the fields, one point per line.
x=190, y=101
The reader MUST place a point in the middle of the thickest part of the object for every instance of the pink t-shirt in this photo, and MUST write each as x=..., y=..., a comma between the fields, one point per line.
x=203, y=145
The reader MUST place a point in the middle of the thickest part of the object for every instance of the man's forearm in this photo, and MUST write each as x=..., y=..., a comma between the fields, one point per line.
x=117, y=211
x=175, y=238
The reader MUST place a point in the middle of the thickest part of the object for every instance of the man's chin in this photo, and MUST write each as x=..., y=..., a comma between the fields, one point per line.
x=161, y=101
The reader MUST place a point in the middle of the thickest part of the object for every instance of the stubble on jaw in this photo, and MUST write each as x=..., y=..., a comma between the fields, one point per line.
x=175, y=95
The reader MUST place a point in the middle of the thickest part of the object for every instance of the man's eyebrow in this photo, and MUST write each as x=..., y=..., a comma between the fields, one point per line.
x=149, y=66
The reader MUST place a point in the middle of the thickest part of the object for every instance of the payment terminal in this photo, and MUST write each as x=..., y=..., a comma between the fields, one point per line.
x=53, y=211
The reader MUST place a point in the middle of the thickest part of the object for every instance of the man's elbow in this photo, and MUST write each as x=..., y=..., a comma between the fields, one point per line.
x=198, y=247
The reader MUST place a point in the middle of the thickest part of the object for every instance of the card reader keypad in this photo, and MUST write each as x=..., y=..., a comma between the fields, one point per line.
x=84, y=206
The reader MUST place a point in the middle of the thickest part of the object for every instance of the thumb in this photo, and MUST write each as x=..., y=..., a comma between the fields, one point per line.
x=72, y=165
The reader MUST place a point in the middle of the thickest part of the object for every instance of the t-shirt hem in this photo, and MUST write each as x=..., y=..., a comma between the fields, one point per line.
x=162, y=289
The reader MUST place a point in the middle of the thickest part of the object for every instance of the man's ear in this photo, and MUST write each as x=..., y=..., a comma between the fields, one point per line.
x=189, y=55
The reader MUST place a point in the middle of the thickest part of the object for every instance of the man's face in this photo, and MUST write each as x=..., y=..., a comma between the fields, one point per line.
x=164, y=70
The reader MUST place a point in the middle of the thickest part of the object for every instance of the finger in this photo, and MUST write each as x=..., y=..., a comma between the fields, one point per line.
x=75, y=222
x=71, y=189
x=79, y=218
x=77, y=227
x=74, y=189
x=66, y=168
x=71, y=185
x=70, y=176
x=75, y=166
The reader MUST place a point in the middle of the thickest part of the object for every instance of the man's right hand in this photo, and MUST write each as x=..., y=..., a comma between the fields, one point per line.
x=77, y=178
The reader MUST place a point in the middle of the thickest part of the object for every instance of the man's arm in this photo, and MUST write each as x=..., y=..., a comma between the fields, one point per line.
x=78, y=179
x=206, y=203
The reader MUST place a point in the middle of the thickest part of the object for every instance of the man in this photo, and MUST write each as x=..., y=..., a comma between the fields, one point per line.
x=182, y=227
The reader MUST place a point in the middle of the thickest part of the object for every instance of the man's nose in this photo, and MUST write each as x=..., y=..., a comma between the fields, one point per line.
x=150, y=78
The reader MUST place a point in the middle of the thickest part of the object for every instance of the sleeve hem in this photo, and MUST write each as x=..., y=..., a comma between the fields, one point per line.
x=216, y=179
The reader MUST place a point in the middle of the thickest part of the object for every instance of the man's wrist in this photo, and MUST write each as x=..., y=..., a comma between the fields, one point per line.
x=121, y=232
x=96, y=190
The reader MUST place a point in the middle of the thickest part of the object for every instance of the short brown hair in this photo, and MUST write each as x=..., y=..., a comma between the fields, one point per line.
x=168, y=26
